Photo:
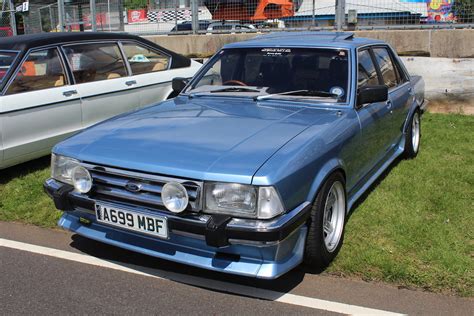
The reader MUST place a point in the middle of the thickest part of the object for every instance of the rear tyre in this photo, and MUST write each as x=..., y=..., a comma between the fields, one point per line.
x=327, y=222
x=413, y=136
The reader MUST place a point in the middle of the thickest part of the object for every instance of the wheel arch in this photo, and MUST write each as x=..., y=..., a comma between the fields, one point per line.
x=414, y=107
x=332, y=166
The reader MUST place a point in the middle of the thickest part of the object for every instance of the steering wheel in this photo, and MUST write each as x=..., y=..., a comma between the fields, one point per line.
x=237, y=82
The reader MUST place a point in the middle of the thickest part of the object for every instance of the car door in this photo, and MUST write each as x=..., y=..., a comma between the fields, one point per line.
x=151, y=72
x=399, y=93
x=39, y=107
x=374, y=118
x=102, y=80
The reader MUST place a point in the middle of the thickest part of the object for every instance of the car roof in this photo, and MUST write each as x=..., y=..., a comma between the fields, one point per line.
x=306, y=39
x=28, y=41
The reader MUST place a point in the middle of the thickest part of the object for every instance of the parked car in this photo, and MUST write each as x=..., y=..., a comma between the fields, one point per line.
x=229, y=26
x=254, y=167
x=54, y=84
x=187, y=26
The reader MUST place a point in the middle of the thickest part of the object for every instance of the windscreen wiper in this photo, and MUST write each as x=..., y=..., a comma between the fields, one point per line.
x=304, y=93
x=235, y=89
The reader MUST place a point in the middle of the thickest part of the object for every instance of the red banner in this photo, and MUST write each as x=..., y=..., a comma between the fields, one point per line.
x=136, y=16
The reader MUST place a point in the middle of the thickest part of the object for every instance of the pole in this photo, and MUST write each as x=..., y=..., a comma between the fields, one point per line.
x=12, y=18
x=340, y=14
x=61, y=15
x=121, y=23
x=176, y=14
x=195, y=16
x=93, y=15
x=108, y=14
x=314, y=13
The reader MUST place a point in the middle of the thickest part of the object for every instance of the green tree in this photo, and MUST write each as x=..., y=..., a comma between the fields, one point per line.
x=135, y=4
x=463, y=10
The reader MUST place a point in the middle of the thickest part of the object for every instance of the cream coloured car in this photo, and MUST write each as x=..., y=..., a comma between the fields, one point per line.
x=54, y=84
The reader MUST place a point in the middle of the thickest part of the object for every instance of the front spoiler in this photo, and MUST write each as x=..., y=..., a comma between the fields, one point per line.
x=257, y=248
x=264, y=262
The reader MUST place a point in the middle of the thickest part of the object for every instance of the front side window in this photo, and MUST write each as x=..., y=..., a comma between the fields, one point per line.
x=41, y=70
x=367, y=73
x=95, y=62
x=143, y=60
x=387, y=69
x=288, y=72
x=6, y=60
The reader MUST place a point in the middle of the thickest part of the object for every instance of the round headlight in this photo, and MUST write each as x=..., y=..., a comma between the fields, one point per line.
x=174, y=197
x=81, y=179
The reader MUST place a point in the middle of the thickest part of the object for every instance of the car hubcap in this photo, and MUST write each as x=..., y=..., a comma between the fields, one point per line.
x=415, y=132
x=333, y=217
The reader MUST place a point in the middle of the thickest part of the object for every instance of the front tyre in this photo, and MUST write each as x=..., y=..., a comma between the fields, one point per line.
x=413, y=136
x=327, y=221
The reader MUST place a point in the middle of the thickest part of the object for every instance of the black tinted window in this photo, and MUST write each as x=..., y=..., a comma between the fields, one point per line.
x=386, y=67
x=367, y=73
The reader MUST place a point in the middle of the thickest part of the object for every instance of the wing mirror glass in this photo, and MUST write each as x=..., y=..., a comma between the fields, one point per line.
x=179, y=83
x=372, y=94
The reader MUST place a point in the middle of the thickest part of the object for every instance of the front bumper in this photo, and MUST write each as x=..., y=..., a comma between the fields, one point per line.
x=257, y=248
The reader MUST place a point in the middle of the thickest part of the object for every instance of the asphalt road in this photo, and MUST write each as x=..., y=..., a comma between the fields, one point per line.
x=70, y=274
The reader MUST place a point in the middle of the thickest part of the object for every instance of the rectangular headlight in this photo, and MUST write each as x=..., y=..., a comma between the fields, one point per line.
x=62, y=167
x=242, y=200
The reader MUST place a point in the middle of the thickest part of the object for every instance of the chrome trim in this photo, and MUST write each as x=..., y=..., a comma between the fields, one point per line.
x=111, y=182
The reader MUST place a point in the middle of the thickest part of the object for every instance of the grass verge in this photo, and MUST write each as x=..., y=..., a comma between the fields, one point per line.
x=414, y=228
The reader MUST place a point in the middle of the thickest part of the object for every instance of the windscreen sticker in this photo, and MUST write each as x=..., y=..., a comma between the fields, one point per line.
x=276, y=51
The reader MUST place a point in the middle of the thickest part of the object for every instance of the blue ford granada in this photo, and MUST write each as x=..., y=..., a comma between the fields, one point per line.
x=254, y=166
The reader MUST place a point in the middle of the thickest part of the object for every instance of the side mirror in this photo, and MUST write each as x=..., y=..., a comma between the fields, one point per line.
x=372, y=94
x=179, y=83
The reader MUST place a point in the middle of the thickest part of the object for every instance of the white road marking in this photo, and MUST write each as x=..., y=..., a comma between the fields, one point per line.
x=221, y=286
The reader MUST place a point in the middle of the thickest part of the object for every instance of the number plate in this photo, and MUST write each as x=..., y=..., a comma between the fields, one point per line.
x=139, y=222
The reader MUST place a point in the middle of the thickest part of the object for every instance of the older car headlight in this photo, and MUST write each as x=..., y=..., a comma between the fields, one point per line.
x=242, y=200
x=62, y=168
x=81, y=179
x=175, y=197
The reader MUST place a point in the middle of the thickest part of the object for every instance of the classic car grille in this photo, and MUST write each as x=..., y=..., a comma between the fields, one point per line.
x=110, y=185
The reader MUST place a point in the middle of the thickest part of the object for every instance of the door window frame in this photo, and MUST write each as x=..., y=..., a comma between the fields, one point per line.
x=396, y=66
x=62, y=46
x=124, y=42
x=62, y=62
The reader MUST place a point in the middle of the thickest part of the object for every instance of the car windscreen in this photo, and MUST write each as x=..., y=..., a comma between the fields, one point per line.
x=6, y=60
x=282, y=71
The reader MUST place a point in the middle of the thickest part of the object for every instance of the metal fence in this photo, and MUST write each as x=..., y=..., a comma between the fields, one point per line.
x=7, y=19
x=232, y=16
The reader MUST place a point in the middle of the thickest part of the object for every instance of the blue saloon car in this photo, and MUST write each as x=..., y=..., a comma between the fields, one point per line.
x=254, y=166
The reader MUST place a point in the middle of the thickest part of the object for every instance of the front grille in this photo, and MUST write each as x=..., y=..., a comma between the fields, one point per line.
x=110, y=185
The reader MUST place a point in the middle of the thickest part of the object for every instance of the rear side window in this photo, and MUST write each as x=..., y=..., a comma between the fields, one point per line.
x=143, y=60
x=41, y=70
x=367, y=73
x=387, y=69
x=95, y=62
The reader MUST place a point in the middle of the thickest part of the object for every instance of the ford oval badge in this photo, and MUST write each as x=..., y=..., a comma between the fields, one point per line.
x=133, y=187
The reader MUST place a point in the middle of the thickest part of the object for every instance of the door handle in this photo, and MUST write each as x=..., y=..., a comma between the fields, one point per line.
x=389, y=104
x=69, y=93
x=131, y=82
